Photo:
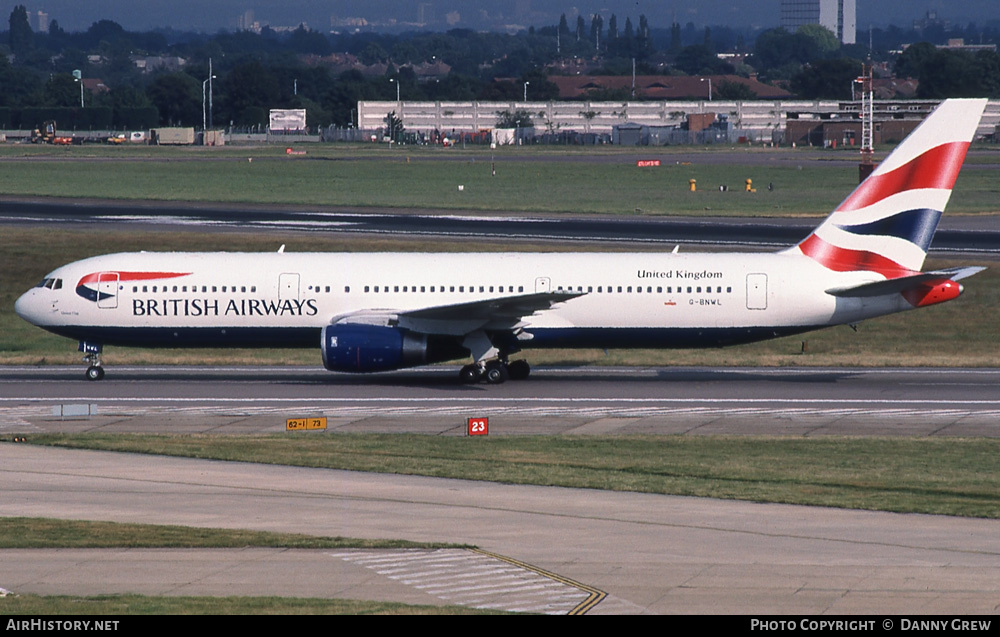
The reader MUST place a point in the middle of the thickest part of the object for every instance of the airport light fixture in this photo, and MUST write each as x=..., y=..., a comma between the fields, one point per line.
x=709, y=80
x=78, y=77
x=526, y=91
x=204, y=120
x=211, y=76
x=394, y=80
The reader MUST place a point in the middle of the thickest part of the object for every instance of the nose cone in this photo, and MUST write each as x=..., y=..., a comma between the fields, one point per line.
x=27, y=307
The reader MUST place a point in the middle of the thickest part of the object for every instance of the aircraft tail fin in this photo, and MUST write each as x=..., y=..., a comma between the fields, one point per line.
x=887, y=223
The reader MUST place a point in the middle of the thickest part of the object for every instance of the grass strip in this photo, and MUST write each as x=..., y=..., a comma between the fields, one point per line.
x=604, y=182
x=117, y=606
x=19, y=533
x=945, y=476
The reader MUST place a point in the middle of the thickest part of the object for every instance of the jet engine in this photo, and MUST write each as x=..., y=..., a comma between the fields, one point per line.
x=375, y=348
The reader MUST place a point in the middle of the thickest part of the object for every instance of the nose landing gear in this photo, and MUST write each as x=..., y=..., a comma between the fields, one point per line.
x=95, y=372
x=92, y=356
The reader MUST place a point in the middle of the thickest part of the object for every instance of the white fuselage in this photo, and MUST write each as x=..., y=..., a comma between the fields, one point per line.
x=284, y=299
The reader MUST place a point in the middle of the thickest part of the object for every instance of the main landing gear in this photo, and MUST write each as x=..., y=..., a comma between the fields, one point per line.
x=494, y=372
x=491, y=364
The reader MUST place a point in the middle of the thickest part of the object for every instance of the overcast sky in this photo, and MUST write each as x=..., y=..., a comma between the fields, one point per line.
x=212, y=15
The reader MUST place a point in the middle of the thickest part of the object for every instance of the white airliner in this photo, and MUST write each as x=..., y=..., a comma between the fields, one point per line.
x=385, y=311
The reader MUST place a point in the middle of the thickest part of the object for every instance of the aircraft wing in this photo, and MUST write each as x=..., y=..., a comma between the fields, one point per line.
x=901, y=284
x=459, y=319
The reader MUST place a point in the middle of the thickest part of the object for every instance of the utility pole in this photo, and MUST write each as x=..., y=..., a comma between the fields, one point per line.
x=633, y=78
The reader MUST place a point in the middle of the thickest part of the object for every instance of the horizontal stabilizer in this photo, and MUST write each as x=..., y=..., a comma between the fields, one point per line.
x=901, y=284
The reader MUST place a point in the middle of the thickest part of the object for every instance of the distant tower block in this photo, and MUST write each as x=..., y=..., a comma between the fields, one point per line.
x=839, y=16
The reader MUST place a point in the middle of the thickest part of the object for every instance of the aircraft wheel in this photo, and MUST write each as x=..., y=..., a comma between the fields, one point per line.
x=496, y=373
x=519, y=370
x=95, y=373
x=470, y=374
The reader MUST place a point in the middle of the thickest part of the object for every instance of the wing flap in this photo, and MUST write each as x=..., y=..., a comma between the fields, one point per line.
x=459, y=319
x=501, y=307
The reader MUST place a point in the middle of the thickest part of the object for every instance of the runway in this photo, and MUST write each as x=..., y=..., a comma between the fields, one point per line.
x=956, y=234
x=783, y=401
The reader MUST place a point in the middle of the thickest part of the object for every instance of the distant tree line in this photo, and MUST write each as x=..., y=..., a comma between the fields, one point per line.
x=255, y=72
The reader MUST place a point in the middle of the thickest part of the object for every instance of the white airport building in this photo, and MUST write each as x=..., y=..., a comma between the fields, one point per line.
x=759, y=121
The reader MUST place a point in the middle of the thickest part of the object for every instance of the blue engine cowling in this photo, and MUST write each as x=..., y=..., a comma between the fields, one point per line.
x=375, y=348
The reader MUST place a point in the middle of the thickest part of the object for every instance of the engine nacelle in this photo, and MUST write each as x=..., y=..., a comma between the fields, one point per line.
x=375, y=348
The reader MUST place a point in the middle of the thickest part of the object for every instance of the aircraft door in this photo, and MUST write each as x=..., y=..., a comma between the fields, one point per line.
x=543, y=284
x=288, y=286
x=107, y=290
x=756, y=291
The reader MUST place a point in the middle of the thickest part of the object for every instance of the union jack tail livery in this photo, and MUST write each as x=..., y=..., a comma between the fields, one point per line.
x=886, y=225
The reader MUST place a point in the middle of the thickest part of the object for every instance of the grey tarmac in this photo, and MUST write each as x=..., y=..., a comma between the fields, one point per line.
x=584, y=400
x=643, y=553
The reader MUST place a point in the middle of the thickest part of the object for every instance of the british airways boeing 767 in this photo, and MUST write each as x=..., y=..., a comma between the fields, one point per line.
x=384, y=311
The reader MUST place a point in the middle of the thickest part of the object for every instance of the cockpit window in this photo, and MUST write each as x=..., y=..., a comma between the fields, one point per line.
x=52, y=284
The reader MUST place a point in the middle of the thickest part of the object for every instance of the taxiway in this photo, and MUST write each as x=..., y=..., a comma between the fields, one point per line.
x=792, y=401
x=553, y=550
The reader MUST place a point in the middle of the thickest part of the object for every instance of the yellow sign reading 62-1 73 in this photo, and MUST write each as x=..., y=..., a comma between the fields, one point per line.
x=301, y=424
